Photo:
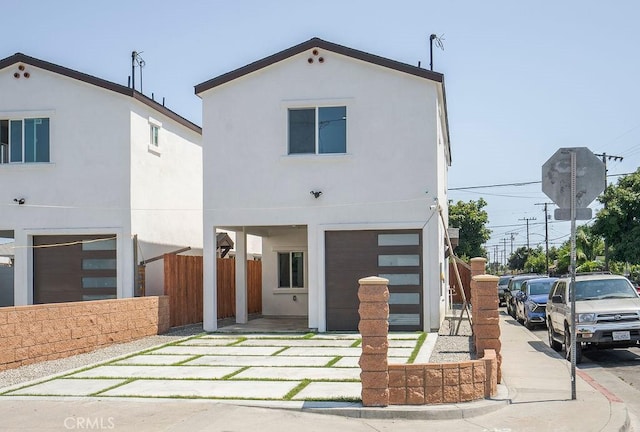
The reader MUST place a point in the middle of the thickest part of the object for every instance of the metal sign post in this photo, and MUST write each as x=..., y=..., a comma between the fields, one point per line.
x=573, y=177
x=572, y=289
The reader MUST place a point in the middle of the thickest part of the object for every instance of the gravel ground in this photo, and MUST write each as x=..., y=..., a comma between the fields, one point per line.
x=44, y=369
x=448, y=348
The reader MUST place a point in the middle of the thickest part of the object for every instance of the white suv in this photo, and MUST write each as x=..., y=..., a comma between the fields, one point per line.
x=607, y=311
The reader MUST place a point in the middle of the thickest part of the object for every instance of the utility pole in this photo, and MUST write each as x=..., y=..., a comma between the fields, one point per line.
x=527, y=220
x=513, y=236
x=605, y=157
x=504, y=250
x=546, y=233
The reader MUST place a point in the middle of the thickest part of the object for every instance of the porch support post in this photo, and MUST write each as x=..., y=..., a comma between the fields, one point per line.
x=242, y=314
x=210, y=285
x=22, y=270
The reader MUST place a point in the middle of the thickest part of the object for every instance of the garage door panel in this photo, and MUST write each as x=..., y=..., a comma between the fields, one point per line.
x=65, y=271
x=352, y=255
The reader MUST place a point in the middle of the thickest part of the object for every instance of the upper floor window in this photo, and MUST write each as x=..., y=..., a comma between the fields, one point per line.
x=24, y=140
x=154, y=132
x=319, y=130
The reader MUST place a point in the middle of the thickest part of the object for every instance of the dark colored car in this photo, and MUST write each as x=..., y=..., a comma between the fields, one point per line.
x=503, y=283
x=515, y=283
x=531, y=301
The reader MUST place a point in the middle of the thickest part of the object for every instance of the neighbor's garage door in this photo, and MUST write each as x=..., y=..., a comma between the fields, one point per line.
x=395, y=255
x=74, y=268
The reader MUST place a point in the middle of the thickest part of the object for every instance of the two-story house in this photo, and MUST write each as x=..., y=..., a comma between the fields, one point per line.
x=96, y=177
x=338, y=159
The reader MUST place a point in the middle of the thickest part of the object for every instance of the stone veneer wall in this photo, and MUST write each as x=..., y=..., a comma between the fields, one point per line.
x=386, y=384
x=36, y=333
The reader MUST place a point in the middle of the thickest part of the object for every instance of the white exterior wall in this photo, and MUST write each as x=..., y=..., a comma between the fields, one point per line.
x=281, y=301
x=388, y=178
x=166, y=190
x=85, y=187
x=88, y=188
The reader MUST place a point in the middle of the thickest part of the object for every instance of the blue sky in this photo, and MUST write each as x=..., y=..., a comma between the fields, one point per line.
x=523, y=78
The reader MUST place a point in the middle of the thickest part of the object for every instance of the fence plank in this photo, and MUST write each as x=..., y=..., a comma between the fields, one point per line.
x=183, y=283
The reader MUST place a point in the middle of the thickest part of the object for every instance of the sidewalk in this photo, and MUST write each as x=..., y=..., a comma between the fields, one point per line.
x=535, y=395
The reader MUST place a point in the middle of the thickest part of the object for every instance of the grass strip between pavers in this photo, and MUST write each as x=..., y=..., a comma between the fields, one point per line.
x=356, y=343
x=130, y=380
x=297, y=389
x=280, y=351
x=416, y=349
x=237, y=341
x=232, y=374
x=333, y=361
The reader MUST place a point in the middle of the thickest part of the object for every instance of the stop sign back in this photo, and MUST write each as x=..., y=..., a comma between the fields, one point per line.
x=556, y=177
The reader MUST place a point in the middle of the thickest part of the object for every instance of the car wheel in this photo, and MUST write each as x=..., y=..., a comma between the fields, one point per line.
x=554, y=344
x=528, y=324
x=567, y=348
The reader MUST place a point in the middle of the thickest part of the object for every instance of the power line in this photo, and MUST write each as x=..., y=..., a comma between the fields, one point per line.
x=518, y=183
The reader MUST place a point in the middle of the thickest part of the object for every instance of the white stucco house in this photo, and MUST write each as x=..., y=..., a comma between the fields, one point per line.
x=96, y=177
x=348, y=154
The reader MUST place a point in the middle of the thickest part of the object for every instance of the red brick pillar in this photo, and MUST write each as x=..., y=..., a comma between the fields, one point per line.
x=477, y=266
x=374, y=329
x=486, y=320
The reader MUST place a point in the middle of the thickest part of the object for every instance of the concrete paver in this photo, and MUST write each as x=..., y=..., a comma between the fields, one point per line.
x=169, y=372
x=279, y=360
x=69, y=387
x=300, y=373
x=345, y=343
x=202, y=388
x=219, y=350
x=154, y=359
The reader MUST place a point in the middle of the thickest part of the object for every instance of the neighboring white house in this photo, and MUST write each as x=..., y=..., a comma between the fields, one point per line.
x=84, y=159
x=348, y=155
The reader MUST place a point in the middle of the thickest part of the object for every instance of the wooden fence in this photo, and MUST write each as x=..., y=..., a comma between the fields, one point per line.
x=183, y=284
x=465, y=276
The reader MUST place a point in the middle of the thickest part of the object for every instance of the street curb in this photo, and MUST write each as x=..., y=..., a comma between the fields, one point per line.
x=412, y=412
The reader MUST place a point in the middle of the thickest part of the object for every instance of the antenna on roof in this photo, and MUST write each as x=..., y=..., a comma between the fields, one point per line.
x=439, y=44
x=136, y=60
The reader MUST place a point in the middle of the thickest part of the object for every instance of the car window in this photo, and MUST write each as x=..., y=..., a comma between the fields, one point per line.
x=599, y=289
x=540, y=287
x=558, y=289
x=504, y=280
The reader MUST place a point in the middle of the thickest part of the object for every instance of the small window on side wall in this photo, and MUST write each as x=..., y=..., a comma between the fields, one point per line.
x=290, y=270
x=154, y=132
x=318, y=130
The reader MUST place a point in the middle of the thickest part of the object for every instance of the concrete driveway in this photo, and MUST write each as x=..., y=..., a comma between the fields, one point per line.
x=267, y=366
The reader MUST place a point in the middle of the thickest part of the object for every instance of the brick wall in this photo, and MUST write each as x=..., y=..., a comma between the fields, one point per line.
x=485, y=313
x=412, y=384
x=36, y=333
x=436, y=383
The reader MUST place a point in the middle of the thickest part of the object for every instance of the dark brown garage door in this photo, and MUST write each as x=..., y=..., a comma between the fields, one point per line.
x=74, y=268
x=395, y=255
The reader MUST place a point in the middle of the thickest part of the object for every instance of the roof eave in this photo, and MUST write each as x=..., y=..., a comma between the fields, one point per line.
x=99, y=82
x=317, y=43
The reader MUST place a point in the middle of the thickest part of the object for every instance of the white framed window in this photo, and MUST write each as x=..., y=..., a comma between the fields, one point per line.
x=291, y=269
x=154, y=132
x=24, y=140
x=155, y=136
x=317, y=130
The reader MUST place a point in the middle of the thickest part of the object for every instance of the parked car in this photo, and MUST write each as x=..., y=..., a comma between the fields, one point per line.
x=503, y=283
x=607, y=314
x=515, y=283
x=531, y=301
